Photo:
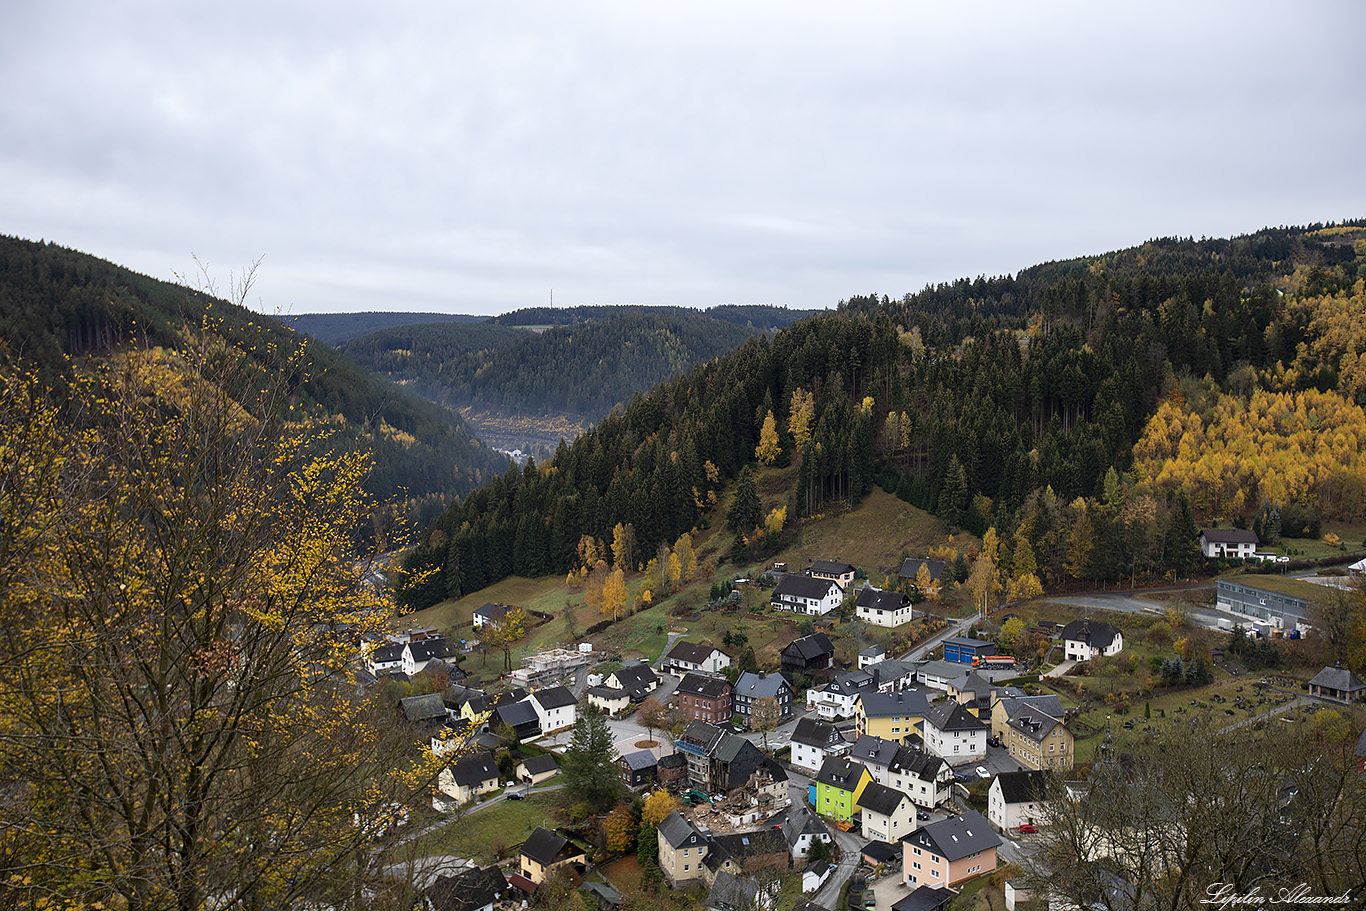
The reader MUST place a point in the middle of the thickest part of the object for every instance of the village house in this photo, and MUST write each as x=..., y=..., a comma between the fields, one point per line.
x=474, y=889
x=1337, y=684
x=704, y=698
x=1004, y=707
x=871, y=655
x=697, y=744
x=518, y=717
x=887, y=814
x=888, y=609
x=1016, y=799
x=1228, y=542
x=1086, y=639
x=535, y=769
x=814, y=741
x=910, y=569
x=836, y=699
x=842, y=574
x=556, y=708
x=954, y=734
x=1037, y=740
x=751, y=687
x=470, y=776
x=801, y=829
x=891, y=716
x=949, y=852
x=838, y=786
x=490, y=615
x=812, y=655
x=807, y=595
x=695, y=657
x=681, y=850
x=544, y=851
x=418, y=656
x=927, y=780
x=638, y=768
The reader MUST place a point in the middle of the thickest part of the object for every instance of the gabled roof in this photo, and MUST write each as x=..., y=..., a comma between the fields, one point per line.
x=544, y=846
x=817, y=645
x=474, y=769
x=925, y=898
x=673, y=761
x=956, y=837
x=388, y=653
x=1049, y=704
x=637, y=675
x=517, y=713
x=467, y=890
x=428, y=649
x=917, y=763
x=748, y=844
x=874, y=750
x=882, y=852
x=804, y=587
x=760, y=686
x=886, y=671
x=801, y=821
x=676, y=830
x=703, y=685
x=1091, y=632
x=911, y=568
x=952, y=716
x=1033, y=722
x=1229, y=536
x=813, y=732
x=556, y=697
x=871, y=598
x=493, y=612
x=640, y=760
x=1023, y=787
x=841, y=772
x=872, y=651
x=691, y=652
x=971, y=681
x=939, y=668
x=702, y=735
x=881, y=799
x=1337, y=678
x=882, y=705
x=851, y=683
x=537, y=765
x=830, y=567
x=423, y=708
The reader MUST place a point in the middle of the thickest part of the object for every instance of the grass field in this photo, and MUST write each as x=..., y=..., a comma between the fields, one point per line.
x=484, y=835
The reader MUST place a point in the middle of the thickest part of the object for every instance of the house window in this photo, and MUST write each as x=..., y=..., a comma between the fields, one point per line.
x=915, y=865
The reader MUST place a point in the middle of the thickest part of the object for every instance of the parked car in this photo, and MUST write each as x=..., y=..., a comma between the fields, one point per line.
x=982, y=772
x=922, y=815
x=515, y=795
x=1027, y=829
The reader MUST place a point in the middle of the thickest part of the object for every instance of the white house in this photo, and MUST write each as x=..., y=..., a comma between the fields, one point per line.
x=471, y=775
x=875, y=653
x=386, y=658
x=801, y=830
x=883, y=608
x=840, y=573
x=814, y=741
x=927, y=780
x=1228, y=542
x=837, y=698
x=417, y=655
x=556, y=708
x=888, y=814
x=489, y=615
x=1016, y=798
x=695, y=658
x=953, y=733
x=1083, y=640
x=807, y=595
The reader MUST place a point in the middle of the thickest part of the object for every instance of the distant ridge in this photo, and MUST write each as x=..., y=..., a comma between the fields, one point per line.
x=335, y=328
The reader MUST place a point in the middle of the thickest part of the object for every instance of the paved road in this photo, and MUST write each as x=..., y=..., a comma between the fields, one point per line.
x=828, y=895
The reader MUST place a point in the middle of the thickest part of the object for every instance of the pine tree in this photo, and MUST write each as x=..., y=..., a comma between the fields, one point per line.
x=589, y=764
x=745, y=512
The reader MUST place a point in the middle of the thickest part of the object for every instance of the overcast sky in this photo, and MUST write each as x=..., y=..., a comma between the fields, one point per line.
x=470, y=158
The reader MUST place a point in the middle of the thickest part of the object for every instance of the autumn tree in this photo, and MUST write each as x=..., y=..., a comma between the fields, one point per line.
x=768, y=449
x=620, y=828
x=764, y=715
x=984, y=582
x=614, y=593
x=179, y=723
x=624, y=547
x=506, y=633
x=800, y=417
x=657, y=807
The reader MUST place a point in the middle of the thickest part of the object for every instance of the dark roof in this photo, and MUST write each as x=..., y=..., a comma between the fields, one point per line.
x=749, y=844
x=423, y=708
x=1048, y=704
x=804, y=587
x=544, y=846
x=474, y=769
x=672, y=761
x=851, y=683
x=1092, y=632
x=841, y=772
x=911, y=568
x=1229, y=536
x=428, y=649
x=814, y=646
x=880, y=798
x=906, y=702
x=874, y=750
x=691, y=652
x=965, y=642
x=1337, y=678
x=640, y=760
x=518, y=713
x=815, y=733
x=831, y=567
x=1023, y=787
x=605, y=894
x=801, y=821
x=971, y=681
x=882, y=852
x=925, y=898
x=556, y=697
x=639, y=675
x=956, y=837
x=760, y=686
x=702, y=734
x=676, y=829
x=951, y=716
x=490, y=611
x=542, y=763
x=918, y=763
x=877, y=599
x=607, y=692
x=703, y=685
x=467, y=890
x=389, y=652
x=872, y=650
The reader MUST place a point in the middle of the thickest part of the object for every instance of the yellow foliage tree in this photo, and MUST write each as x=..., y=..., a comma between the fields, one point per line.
x=179, y=721
x=687, y=557
x=925, y=583
x=657, y=808
x=800, y=416
x=620, y=830
x=777, y=517
x=768, y=449
x=614, y=593
x=624, y=546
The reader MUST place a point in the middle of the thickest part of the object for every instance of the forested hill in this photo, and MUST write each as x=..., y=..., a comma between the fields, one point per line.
x=1012, y=404
x=761, y=317
x=580, y=370
x=56, y=302
x=335, y=328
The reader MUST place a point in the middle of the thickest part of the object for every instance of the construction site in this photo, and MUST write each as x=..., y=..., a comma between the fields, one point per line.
x=549, y=667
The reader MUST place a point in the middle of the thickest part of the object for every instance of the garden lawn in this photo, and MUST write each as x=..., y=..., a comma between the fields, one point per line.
x=478, y=836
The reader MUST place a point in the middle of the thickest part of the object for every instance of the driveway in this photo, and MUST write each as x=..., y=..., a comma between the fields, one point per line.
x=828, y=895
